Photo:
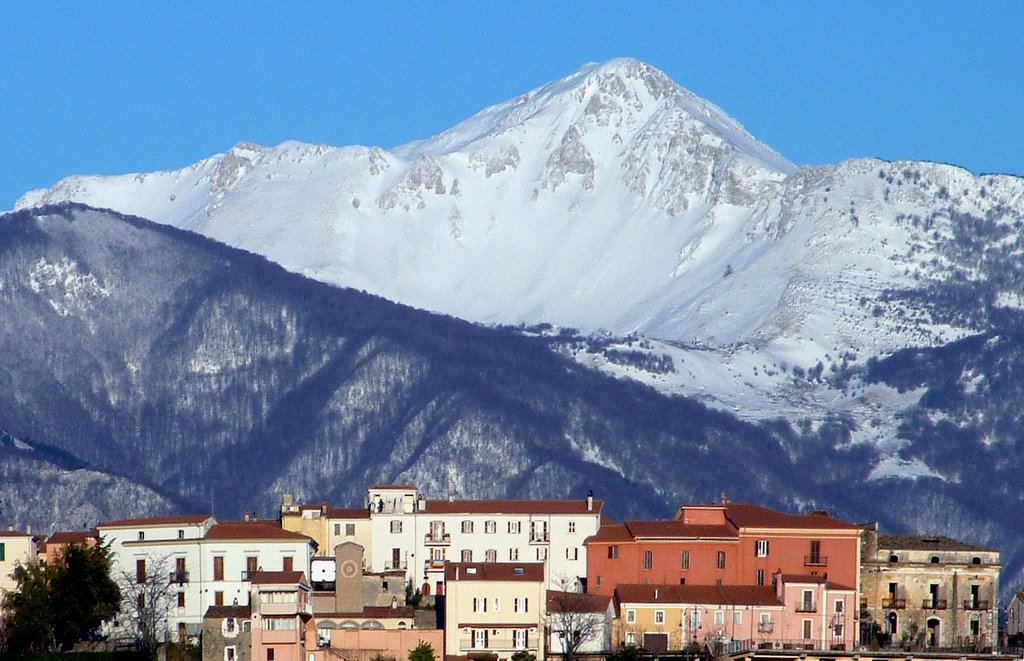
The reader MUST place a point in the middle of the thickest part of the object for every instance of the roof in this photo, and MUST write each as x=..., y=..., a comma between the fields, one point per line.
x=252, y=530
x=372, y=612
x=277, y=578
x=915, y=543
x=337, y=512
x=677, y=529
x=222, y=612
x=494, y=571
x=14, y=533
x=738, y=595
x=394, y=487
x=576, y=602
x=501, y=506
x=72, y=537
x=805, y=579
x=745, y=515
x=617, y=532
x=184, y=519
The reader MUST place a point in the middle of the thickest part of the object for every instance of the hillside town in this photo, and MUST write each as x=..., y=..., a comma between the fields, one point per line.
x=536, y=579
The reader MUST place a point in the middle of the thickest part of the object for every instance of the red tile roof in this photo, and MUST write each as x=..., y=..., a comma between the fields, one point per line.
x=371, y=612
x=576, y=602
x=223, y=612
x=917, y=543
x=721, y=595
x=277, y=578
x=613, y=533
x=73, y=537
x=494, y=571
x=251, y=530
x=673, y=529
x=14, y=533
x=511, y=506
x=746, y=515
x=185, y=519
x=394, y=487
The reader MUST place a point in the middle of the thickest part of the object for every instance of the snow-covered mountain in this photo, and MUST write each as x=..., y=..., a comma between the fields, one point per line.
x=616, y=200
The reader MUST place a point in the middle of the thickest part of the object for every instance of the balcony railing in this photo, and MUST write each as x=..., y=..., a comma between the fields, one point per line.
x=765, y=627
x=499, y=643
x=178, y=577
x=815, y=560
x=433, y=564
x=893, y=602
x=438, y=538
x=539, y=537
x=935, y=604
x=975, y=604
x=806, y=608
x=391, y=565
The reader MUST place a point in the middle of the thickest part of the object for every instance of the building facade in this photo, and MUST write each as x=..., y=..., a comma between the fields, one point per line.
x=16, y=548
x=494, y=609
x=931, y=592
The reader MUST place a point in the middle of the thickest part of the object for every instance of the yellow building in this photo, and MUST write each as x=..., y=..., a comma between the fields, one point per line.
x=494, y=608
x=328, y=526
x=15, y=548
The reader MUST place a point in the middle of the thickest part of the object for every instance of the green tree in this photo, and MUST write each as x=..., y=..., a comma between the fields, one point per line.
x=423, y=652
x=58, y=604
x=523, y=655
x=625, y=653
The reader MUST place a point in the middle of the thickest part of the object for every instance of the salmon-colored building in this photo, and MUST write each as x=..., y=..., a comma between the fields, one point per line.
x=281, y=615
x=723, y=544
x=58, y=541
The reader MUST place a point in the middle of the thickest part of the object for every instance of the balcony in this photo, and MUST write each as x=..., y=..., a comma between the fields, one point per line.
x=436, y=539
x=807, y=608
x=391, y=565
x=935, y=604
x=178, y=576
x=765, y=627
x=433, y=564
x=893, y=602
x=503, y=642
x=815, y=560
x=540, y=537
x=975, y=604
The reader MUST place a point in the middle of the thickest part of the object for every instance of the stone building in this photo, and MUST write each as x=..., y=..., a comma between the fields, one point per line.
x=928, y=592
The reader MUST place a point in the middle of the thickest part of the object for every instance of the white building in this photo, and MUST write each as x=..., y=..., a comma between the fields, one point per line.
x=201, y=562
x=16, y=548
x=418, y=535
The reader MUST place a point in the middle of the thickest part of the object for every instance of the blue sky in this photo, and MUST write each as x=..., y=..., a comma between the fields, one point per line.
x=111, y=87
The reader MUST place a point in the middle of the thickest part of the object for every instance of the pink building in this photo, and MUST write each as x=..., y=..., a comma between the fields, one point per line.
x=281, y=615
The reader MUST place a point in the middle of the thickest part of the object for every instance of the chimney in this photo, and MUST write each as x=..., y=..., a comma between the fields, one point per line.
x=655, y=594
x=245, y=517
x=725, y=499
x=590, y=500
x=286, y=499
x=28, y=527
x=10, y=527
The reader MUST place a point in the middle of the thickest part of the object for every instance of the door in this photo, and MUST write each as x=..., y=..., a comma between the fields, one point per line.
x=656, y=643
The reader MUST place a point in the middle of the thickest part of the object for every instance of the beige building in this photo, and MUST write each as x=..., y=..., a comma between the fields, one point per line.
x=494, y=608
x=929, y=592
x=327, y=526
x=15, y=548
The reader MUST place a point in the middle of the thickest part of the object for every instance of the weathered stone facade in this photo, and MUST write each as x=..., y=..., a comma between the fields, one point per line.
x=226, y=634
x=929, y=592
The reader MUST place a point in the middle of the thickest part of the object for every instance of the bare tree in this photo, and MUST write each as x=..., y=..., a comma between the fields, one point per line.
x=575, y=619
x=146, y=602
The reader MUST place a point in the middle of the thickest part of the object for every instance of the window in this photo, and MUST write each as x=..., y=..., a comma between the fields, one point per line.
x=808, y=629
x=337, y=529
x=229, y=653
x=521, y=605
x=737, y=617
x=490, y=527
x=684, y=560
x=572, y=527
x=630, y=638
x=572, y=553
x=648, y=559
x=181, y=534
x=761, y=548
x=814, y=557
x=229, y=625
x=515, y=527
x=720, y=562
x=694, y=620
x=630, y=616
x=479, y=604
x=760, y=577
x=491, y=555
x=467, y=527
x=542, y=553
x=513, y=554
x=807, y=601
x=140, y=570
x=597, y=579
x=287, y=563
x=519, y=639
x=467, y=555
x=893, y=558
x=613, y=552
x=218, y=568
x=396, y=527
x=976, y=560
x=350, y=529
x=218, y=598
x=497, y=604
x=659, y=617
x=479, y=638
x=142, y=535
x=270, y=654
x=252, y=564
x=934, y=559
x=3, y=552
x=279, y=624
x=181, y=600
x=719, y=618
x=840, y=606
x=437, y=555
